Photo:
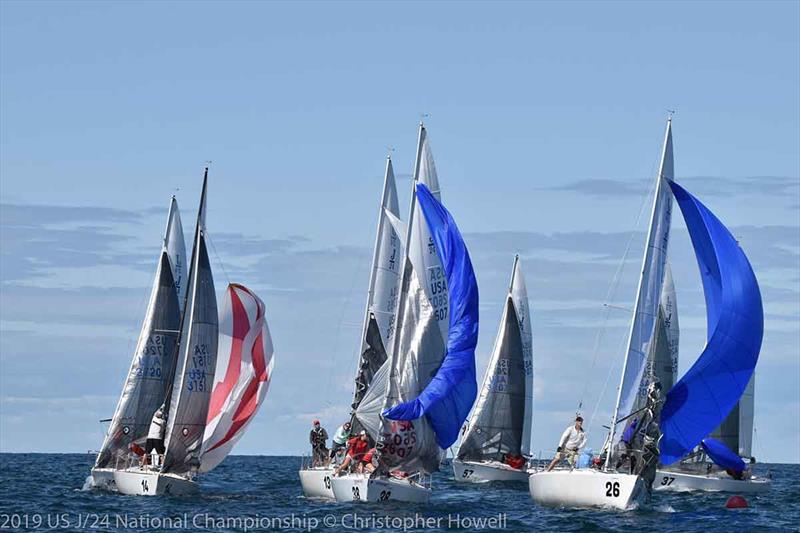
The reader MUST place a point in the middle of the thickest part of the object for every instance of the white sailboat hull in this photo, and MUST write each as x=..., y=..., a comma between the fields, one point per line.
x=360, y=488
x=667, y=480
x=316, y=482
x=484, y=472
x=137, y=482
x=587, y=488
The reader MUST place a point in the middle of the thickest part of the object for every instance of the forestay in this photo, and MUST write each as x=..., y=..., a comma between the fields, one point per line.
x=152, y=367
x=501, y=420
x=191, y=390
x=710, y=389
x=243, y=373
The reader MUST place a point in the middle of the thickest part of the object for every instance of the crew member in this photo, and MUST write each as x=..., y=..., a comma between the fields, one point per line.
x=155, y=436
x=340, y=438
x=572, y=442
x=319, y=448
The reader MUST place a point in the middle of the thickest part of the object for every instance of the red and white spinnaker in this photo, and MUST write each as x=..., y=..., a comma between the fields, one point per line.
x=244, y=369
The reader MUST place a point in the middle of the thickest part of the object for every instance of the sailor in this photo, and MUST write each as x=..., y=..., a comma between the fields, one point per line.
x=155, y=436
x=369, y=462
x=572, y=442
x=626, y=443
x=319, y=449
x=356, y=448
x=340, y=438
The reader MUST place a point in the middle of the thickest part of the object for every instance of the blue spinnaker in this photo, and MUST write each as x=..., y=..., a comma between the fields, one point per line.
x=449, y=396
x=722, y=455
x=705, y=395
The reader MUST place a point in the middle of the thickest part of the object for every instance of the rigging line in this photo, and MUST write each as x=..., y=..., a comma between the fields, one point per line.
x=356, y=274
x=611, y=370
x=612, y=288
x=219, y=259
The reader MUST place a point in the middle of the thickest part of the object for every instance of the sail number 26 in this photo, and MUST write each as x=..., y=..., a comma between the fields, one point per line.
x=612, y=489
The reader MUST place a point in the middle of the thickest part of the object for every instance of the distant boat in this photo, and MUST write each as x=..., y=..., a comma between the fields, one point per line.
x=378, y=323
x=608, y=487
x=206, y=408
x=499, y=429
x=421, y=396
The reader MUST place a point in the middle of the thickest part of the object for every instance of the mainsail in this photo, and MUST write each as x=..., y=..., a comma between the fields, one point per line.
x=244, y=370
x=501, y=420
x=152, y=367
x=432, y=381
x=736, y=431
x=197, y=356
x=645, y=314
x=710, y=389
x=379, y=315
x=662, y=362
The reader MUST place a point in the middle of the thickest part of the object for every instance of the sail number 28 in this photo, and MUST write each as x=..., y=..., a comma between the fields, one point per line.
x=612, y=489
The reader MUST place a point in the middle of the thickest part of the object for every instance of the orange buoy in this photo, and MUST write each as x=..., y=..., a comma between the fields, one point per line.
x=736, y=502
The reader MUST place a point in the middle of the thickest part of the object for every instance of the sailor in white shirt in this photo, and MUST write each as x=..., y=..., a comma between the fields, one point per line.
x=155, y=435
x=572, y=442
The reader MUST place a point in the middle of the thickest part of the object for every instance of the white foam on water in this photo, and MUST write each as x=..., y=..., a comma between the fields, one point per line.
x=664, y=508
x=88, y=484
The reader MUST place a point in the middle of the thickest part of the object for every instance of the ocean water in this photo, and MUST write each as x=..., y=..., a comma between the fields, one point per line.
x=46, y=491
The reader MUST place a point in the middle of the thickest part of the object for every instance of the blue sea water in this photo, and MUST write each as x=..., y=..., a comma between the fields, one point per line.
x=46, y=491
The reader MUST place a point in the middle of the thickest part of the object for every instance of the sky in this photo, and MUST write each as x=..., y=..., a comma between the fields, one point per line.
x=546, y=121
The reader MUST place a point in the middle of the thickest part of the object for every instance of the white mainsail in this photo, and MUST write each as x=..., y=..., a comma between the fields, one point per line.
x=645, y=314
x=191, y=388
x=500, y=423
x=152, y=367
x=379, y=314
x=421, y=334
x=244, y=369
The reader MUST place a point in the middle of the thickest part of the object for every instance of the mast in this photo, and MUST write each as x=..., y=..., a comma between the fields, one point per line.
x=409, y=229
x=645, y=261
x=192, y=273
x=513, y=274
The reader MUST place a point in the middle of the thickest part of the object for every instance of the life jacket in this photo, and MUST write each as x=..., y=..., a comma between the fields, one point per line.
x=357, y=447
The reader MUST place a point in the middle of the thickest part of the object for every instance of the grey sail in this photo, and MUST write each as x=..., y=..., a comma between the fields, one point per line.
x=194, y=379
x=367, y=414
x=736, y=431
x=420, y=338
x=662, y=361
x=496, y=428
x=379, y=315
x=372, y=359
x=149, y=376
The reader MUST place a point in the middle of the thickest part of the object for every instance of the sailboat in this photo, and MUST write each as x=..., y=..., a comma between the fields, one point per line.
x=718, y=390
x=378, y=323
x=153, y=362
x=709, y=390
x=499, y=430
x=427, y=386
x=206, y=408
x=607, y=486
